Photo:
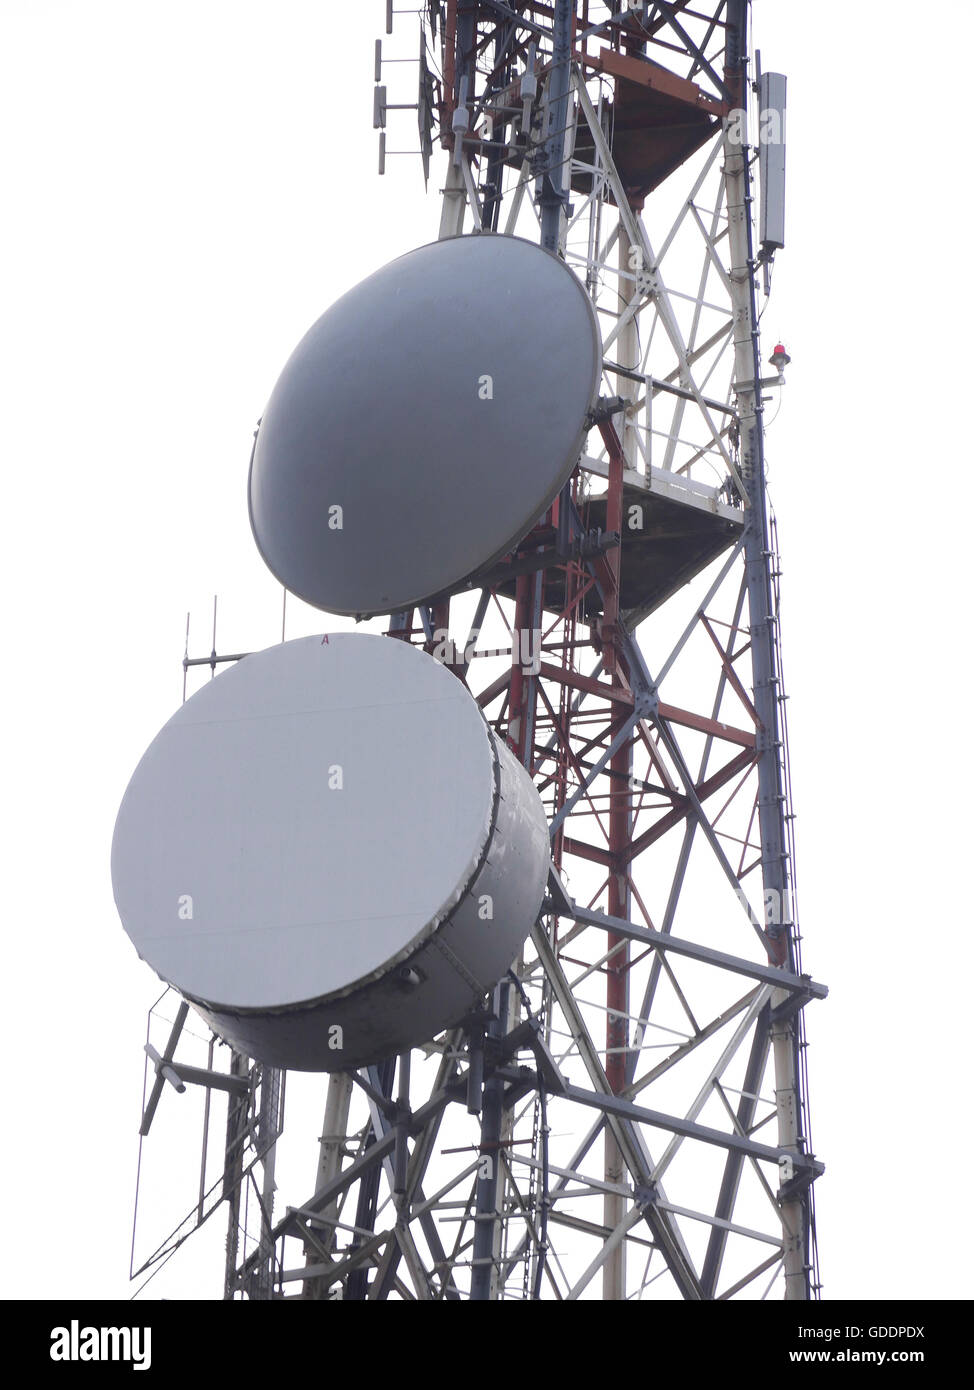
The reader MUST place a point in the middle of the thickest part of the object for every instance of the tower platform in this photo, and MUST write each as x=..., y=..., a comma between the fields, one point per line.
x=672, y=529
x=657, y=121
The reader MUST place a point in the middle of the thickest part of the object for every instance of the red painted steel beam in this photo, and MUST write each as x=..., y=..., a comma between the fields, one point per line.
x=495, y=688
x=448, y=105
x=654, y=78
x=733, y=678
x=583, y=850
x=587, y=683
x=704, y=790
x=714, y=727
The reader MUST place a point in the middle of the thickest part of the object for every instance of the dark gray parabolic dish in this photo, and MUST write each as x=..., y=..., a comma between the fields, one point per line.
x=386, y=411
x=309, y=844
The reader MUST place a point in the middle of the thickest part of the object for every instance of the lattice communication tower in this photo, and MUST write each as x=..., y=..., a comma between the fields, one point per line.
x=563, y=1020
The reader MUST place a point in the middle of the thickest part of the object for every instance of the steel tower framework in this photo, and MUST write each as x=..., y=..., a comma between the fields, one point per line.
x=628, y=1115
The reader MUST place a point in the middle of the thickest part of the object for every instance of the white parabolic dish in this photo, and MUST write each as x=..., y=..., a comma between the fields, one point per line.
x=328, y=836
x=424, y=424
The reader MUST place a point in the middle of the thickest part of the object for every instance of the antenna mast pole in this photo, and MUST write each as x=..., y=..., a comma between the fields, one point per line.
x=783, y=1032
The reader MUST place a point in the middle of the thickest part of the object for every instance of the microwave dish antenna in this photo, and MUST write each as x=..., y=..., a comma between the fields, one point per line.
x=329, y=852
x=374, y=490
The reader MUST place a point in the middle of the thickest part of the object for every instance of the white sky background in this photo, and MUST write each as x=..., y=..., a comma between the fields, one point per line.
x=187, y=186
